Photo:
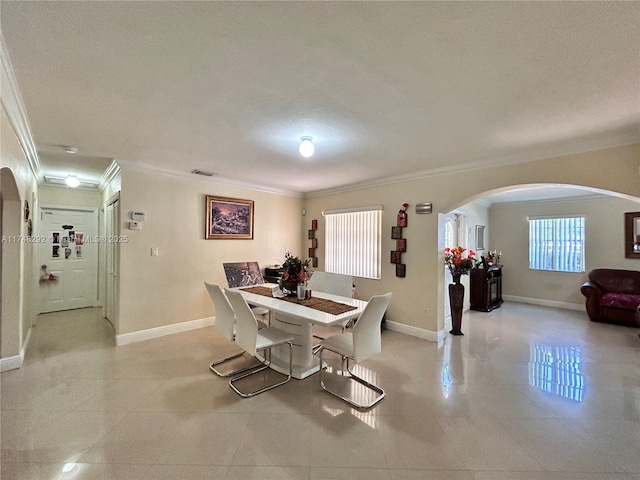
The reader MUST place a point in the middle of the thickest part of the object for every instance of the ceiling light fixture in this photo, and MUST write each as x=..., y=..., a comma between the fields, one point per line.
x=69, y=149
x=72, y=181
x=306, y=147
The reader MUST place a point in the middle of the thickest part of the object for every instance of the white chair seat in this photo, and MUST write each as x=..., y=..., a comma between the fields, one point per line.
x=271, y=336
x=340, y=344
x=259, y=311
x=261, y=325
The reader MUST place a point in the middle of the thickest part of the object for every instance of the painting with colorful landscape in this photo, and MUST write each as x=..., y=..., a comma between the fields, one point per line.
x=229, y=218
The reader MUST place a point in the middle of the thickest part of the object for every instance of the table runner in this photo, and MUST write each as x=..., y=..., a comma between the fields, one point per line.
x=322, y=304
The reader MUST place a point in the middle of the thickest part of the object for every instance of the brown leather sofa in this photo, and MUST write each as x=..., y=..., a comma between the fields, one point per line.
x=613, y=296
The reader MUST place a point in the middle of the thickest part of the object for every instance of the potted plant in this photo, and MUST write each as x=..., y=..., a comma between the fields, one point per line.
x=295, y=271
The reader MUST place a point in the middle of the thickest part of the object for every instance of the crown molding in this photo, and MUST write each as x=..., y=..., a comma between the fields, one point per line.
x=572, y=147
x=482, y=202
x=109, y=174
x=14, y=106
x=142, y=167
x=541, y=201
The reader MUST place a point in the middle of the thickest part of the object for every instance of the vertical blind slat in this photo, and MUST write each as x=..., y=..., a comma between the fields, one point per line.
x=352, y=243
x=557, y=244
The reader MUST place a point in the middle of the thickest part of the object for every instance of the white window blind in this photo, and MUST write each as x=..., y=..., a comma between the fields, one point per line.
x=353, y=242
x=557, y=244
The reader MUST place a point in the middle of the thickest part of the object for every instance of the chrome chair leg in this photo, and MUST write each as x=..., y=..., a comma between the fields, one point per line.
x=213, y=366
x=355, y=402
x=264, y=366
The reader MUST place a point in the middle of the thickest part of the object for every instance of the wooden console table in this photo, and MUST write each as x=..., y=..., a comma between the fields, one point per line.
x=486, y=288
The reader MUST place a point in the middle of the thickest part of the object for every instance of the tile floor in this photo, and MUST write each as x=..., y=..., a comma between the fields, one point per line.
x=529, y=393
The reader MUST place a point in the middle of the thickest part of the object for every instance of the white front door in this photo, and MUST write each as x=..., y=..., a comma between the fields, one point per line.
x=70, y=254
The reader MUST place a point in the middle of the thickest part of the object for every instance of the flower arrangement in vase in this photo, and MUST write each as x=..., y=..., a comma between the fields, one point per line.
x=460, y=261
x=295, y=271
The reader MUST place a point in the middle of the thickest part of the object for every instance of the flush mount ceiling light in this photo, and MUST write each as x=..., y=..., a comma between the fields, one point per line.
x=72, y=181
x=306, y=147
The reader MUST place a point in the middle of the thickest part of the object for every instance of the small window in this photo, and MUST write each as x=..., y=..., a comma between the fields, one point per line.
x=353, y=242
x=556, y=244
x=448, y=233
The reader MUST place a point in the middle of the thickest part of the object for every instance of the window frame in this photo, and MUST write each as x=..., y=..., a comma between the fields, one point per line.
x=339, y=257
x=561, y=233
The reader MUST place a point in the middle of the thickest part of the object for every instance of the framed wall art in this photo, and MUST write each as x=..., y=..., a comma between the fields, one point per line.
x=229, y=218
x=632, y=234
x=479, y=237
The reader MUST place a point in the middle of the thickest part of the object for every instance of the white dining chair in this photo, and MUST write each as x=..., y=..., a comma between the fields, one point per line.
x=364, y=341
x=335, y=284
x=254, y=340
x=225, y=326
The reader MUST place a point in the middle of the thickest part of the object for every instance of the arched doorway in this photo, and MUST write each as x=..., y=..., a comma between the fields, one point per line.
x=509, y=225
x=10, y=231
x=455, y=233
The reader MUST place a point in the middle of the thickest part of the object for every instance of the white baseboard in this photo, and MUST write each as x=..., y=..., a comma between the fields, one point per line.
x=414, y=331
x=11, y=363
x=545, y=303
x=15, y=362
x=142, y=335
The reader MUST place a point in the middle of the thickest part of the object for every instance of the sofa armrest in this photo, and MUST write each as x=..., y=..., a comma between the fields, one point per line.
x=589, y=289
x=594, y=295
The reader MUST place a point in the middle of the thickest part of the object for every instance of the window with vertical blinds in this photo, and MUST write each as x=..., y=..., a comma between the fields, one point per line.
x=353, y=242
x=556, y=244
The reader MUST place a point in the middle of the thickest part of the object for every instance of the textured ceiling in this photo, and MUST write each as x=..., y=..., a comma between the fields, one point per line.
x=384, y=88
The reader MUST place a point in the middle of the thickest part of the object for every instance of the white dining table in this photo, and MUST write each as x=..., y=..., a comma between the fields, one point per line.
x=298, y=321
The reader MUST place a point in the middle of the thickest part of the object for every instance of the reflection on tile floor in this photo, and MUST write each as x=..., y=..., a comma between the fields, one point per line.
x=529, y=393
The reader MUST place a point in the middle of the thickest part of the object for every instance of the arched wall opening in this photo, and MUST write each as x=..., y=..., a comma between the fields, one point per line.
x=573, y=299
x=11, y=277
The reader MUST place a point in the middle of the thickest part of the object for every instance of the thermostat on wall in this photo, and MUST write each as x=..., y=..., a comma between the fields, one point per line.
x=138, y=216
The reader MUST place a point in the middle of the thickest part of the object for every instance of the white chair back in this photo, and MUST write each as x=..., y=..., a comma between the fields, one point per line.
x=367, y=340
x=246, y=323
x=225, y=316
x=334, y=283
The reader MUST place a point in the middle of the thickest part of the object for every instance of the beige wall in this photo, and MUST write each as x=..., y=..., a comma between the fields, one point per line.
x=69, y=196
x=20, y=279
x=168, y=289
x=604, y=246
x=613, y=170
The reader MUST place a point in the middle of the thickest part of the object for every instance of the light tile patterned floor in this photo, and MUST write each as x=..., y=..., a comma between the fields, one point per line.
x=529, y=393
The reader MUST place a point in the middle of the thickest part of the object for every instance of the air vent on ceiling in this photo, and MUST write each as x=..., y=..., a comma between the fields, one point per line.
x=203, y=173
